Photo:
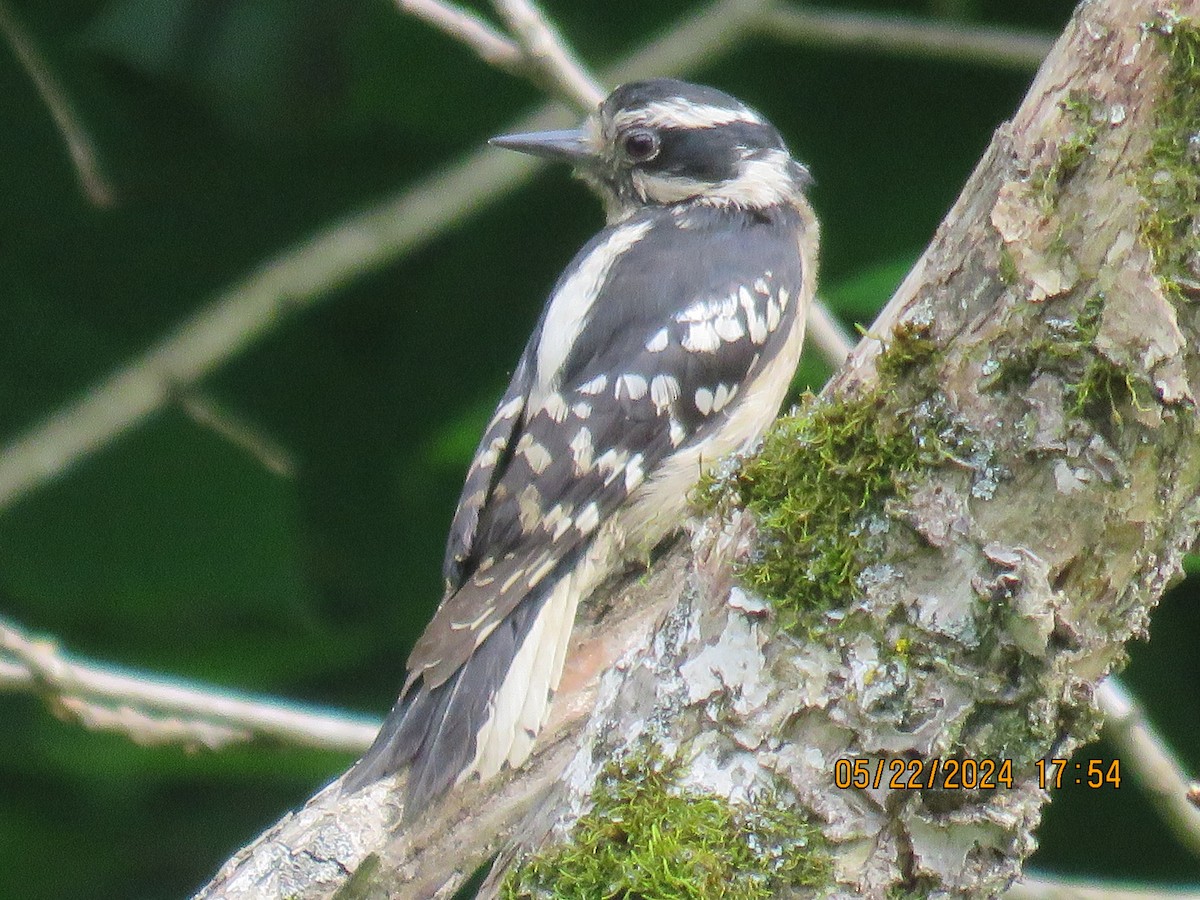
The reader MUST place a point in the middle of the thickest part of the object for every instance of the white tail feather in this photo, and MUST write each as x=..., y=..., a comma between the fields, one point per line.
x=522, y=704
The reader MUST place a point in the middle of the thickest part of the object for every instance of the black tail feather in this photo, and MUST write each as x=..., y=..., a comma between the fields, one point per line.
x=433, y=731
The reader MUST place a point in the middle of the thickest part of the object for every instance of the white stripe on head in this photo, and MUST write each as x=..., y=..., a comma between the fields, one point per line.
x=681, y=114
x=761, y=181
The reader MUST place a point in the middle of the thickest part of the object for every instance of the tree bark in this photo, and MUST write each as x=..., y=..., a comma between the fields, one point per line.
x=1041, y=364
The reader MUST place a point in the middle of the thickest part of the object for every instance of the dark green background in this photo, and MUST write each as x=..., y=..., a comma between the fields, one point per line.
x=233, y=128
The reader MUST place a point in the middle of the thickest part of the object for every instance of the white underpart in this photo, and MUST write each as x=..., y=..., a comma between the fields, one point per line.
x=763, y=181
x=572, y=303
x=681, y=114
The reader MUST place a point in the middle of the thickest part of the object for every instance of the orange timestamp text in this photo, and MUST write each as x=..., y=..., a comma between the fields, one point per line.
x=922, y=774
x=968, y=774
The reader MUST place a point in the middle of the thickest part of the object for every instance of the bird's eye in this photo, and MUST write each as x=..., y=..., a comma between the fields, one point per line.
x=640, y=145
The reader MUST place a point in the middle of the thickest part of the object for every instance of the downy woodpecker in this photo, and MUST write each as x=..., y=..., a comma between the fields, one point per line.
x=668, y=343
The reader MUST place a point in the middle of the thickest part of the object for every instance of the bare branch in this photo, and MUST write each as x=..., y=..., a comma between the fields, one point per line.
x=828, y=335
x=549, y=54
x=311, y=270
x=1047, y=888
x=1149, y=759
x=209, y=413
x=154, y=710
x=1003, y=48
x=79, y=144
x=463, y=25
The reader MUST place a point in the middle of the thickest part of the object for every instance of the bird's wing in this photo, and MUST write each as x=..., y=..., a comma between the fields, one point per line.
x=491, y=457
x=658, y=365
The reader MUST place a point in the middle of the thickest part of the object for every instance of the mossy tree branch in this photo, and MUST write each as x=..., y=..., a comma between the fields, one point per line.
x=953, y=545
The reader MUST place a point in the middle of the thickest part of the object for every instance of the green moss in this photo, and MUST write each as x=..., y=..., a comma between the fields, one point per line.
x=1007, y=267
x=1073, y=151
x=647, y=838
x=1170, y=180
x=361, y=883
x=1095, y=387
x=820, y=484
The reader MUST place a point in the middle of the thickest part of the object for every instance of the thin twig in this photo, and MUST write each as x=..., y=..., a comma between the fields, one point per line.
x=549, y=54
x=209, y=413
x=493, y=48
x=150, y=709
x=1146, y=755
x=1003, y=48
x=310, y=271
x=79, y=144
x=1044, y=887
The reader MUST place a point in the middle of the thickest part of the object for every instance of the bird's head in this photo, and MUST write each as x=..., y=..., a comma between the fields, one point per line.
x=663, y=142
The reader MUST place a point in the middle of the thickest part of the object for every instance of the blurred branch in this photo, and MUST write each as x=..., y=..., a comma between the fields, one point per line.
x=313, y=269
x=207, y=412
x=549, y=54
x=1146, y=755
x=1004, y=48
x=153, y=710
x=829, y=335
x=79, y=144
x=1047, y=888
x=493, y=48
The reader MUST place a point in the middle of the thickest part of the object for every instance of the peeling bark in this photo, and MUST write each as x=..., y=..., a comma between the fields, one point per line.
x=1058, y=365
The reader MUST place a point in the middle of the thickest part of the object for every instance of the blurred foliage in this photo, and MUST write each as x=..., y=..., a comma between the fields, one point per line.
x=231, y=129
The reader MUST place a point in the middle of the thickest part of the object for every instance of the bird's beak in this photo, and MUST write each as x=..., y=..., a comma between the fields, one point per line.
x=570, y=145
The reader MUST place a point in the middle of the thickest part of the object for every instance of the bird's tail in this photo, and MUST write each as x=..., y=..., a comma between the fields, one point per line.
x=484, y=716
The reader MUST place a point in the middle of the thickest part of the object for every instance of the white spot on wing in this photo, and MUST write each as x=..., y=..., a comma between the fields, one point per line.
x=529, y=509
x=588, y=519
x=582, y=410
x=534, y=453
x=633, y=386
x=677, y=433
x=664, y=390
x=582, y=450
x=634, y=472
x=758, y=327
x=541, y=571
x=704, y=401
x=722, y=395
x=658, y=343
x=595, y=386
x=701, y=337
x=773, y=314
x=558, y=519
x=611, y=462
x=729, y=329
x=474, y=623
x=508, y=410
x=556, y=407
